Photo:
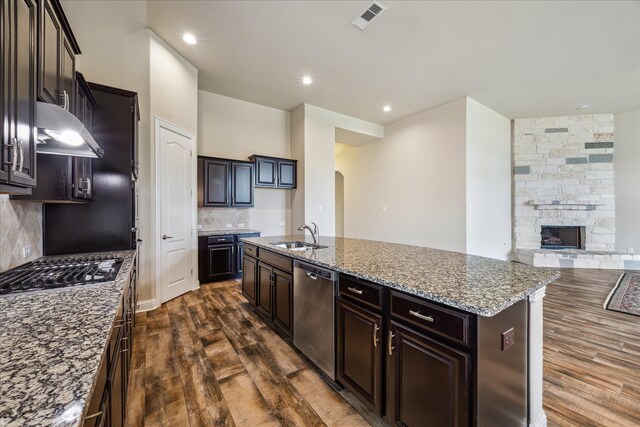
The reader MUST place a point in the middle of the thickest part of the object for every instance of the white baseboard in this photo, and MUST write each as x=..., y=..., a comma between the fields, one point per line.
x=147, y=305
x=540, y=421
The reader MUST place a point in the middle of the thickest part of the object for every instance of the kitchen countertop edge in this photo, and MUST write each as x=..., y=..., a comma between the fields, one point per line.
x=488, y=311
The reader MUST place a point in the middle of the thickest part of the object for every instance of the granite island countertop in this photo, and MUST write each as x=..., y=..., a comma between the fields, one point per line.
x=475, y=284
x=225, y=231
x=51, y=346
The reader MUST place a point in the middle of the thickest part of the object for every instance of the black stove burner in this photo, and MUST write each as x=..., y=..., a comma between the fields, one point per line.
x=59, y=273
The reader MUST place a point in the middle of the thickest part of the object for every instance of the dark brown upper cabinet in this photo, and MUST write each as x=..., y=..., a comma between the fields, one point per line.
x=274, y=172
x=18, y=150
x=225, y=183
x=57, y=56
x=68, y=179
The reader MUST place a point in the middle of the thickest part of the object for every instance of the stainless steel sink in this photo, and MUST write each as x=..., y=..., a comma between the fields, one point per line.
x=297, y=246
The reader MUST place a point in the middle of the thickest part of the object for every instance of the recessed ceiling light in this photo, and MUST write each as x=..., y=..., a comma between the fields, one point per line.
x=386, y=108
x=189, y=38
x=307, y=80
x=583, y=107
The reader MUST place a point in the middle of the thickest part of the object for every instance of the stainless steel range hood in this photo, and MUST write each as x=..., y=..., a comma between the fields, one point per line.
x=62, y=133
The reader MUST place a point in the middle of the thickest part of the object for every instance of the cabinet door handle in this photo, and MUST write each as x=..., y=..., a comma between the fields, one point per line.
x=421, y=316
x=14, y=153
x=233, y=200
x=88, y=187
x=355, y=290
x=97, y=414
x=390, y=343
x=21, y=148
x=376, y=328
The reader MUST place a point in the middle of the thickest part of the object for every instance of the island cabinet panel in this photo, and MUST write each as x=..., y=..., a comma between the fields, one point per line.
x=429, y=381
x=447, y=323
x=249, y=277
x=264, y=292
x=273, y=289
x=283, y=301
x=360, y=353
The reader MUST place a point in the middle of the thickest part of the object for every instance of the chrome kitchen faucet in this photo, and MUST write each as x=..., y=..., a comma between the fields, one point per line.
x=315, y=233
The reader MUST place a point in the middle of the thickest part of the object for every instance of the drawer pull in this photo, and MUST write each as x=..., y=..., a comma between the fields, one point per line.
x=355, y=290
x=390, y=343
x=222, y=240
x=376, y=328
x=421, y=316
x=97, y=414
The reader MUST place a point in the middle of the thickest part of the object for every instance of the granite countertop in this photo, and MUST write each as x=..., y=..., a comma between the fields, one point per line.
x=225, y=231
x=51, y=346
x=475, y=284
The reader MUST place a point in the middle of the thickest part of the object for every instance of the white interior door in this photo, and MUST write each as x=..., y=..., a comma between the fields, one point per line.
x=176, y=208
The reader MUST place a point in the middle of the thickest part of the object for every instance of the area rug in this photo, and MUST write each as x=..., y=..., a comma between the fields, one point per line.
x=625, y=296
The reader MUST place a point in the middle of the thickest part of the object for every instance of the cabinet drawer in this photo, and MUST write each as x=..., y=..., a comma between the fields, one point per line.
x=251, y=250
x=442, y=321
x=366, y=292
x=214, y=240
x=282, y=262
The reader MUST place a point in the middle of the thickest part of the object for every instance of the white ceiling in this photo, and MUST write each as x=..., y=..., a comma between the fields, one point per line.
x=522, y=59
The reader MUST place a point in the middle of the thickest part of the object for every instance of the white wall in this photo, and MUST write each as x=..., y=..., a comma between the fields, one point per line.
x=314, y=141
x=410, y=186
x=235, y=129
x=488, y=177
x=626, y=167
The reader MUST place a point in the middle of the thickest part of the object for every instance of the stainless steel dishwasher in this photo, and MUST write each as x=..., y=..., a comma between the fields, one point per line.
x=313, y=314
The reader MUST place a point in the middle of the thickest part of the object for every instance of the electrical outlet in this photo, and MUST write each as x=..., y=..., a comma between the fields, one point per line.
x=26, y=252
x=199, y=226
x=630, y=251
x=241, y=225
x=229, y=225
x=508, y=339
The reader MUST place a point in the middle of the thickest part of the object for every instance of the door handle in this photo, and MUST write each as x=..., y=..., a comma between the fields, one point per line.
x=390, y=343
x=88, y=186
x=421, y=316
x=312, y=276
x=376, y=328
x=21, y=148
x=165, y=237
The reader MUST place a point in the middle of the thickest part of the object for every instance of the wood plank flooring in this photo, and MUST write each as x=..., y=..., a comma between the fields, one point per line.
x=591, y=355
x=212, y=361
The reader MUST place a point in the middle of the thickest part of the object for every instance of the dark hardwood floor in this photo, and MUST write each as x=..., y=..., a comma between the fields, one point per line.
x=212, y=361
x=591, y=355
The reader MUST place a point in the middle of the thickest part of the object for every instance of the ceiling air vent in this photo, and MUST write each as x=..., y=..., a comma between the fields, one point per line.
x=368, y=15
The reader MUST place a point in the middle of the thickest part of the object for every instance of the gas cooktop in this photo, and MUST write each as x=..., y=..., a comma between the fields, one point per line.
x=60, y=272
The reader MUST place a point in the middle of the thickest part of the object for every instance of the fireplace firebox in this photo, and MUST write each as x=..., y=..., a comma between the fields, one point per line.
x=562, y=237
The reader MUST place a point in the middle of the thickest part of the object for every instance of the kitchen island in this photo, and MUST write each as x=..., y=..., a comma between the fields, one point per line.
x=471, y=324
x=54, y=347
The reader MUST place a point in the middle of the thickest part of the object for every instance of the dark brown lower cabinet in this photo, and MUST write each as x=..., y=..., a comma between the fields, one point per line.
x=283, y=301
x=221, y=261
x=116, y=392
x=360, y=353
x=249, y=275
x=428, y=381
x=275, y=296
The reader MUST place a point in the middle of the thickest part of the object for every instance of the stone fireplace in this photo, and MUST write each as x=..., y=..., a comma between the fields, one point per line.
x=563, y=180
x=562, y=237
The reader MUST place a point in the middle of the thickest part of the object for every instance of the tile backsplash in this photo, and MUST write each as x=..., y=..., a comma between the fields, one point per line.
x=218, y=218
x=20, y=226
